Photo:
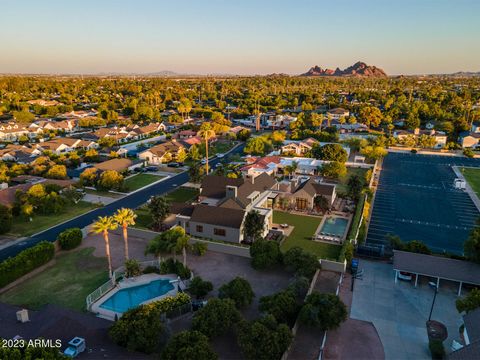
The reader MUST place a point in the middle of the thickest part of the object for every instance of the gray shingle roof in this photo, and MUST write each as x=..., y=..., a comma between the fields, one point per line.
x=220, y=216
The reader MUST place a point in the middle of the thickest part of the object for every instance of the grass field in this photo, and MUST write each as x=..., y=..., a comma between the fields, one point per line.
x=473, y=177
x=23, y=227
x=342, y=185
x=138, y=181
x=304, y=228
x=67, y=283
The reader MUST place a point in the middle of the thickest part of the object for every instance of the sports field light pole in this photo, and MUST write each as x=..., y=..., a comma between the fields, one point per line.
x=435, y=287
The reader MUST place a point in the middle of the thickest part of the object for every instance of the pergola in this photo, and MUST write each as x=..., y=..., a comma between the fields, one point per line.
x=463, y=272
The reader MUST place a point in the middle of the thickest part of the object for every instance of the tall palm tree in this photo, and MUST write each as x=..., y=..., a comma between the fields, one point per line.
x=103, y=225
x=207, y=133
x=125, y=217
x=182, y=242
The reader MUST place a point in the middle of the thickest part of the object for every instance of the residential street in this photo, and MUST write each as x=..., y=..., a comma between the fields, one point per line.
x=132, y=200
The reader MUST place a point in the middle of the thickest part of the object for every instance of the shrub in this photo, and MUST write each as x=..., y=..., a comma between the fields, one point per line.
x=150, y=270
x=188, y=345
x=199, y=248
x=141, y=328
x=436, y=349
x=70, y=238
x=216, y=318
x=282, y=305
x=199, y=288
x=265, y=254
x=132, y=268
x=469, y=302
x=239, y=290
x=26, y=261
x=468, y=153
x=171, y=266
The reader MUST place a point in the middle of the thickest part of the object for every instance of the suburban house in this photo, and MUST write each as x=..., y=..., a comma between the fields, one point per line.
x=337, y=113
x=471, y=336
x=298, y=148
x=259, y=165
x=469, y=139
x=64, y=126
x=17, y=153
x=439, y=136
x=64, y=145
x=223, y=206
x=12, y=131
x=344, y=127
x=299, y=193
x=163, y=153
x=119, y=165
x=120, y=134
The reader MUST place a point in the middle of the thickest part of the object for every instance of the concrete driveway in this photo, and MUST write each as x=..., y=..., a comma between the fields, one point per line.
x=399, y=311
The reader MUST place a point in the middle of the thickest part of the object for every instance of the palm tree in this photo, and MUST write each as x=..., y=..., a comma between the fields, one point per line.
x=182, y=244
x=103, y=225
x=158, y=246
x=125, y=217
x=207, y=133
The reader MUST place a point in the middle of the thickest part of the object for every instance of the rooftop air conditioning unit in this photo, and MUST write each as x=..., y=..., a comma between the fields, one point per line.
x=22, y=316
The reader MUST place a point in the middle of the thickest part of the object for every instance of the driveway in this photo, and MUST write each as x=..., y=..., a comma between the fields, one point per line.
x=399, y=311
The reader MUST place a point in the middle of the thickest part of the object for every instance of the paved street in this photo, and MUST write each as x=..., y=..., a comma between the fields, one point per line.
x=132, y=200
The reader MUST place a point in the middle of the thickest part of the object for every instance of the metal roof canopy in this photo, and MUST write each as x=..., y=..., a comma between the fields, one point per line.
x=437, y=267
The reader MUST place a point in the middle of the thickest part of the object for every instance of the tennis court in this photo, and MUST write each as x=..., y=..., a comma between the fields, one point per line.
x=416, y=200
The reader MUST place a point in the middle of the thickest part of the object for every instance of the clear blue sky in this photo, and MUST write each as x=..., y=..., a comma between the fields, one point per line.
x=238, y=36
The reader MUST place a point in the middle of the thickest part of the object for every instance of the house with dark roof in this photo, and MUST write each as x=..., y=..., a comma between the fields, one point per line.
x=300, y=193
x=223, y=206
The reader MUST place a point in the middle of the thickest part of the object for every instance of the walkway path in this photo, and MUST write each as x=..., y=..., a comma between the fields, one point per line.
x=468, y=188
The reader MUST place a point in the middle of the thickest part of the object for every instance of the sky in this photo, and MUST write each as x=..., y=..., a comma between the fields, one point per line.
x=243, y=37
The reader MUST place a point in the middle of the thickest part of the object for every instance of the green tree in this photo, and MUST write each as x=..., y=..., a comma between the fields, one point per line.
x=253, y=225
x=23, y=117
x=159, y=208
x=472, y=245
x=70, y=238
x=374, y=152
x=187, y=345
x=334, y=170
x=238, y=290
x=263, y=339
x=199, y=287
x=330, y=152
x=132, y=268
x=354, y=187
x=321, y=203
x=6, y=219
x=89, y=176
x=110, y=179
x=216, y=318
x=196, y=172
x=371, y=116
x=125, y=218
x=469, y=302
x=324, y=311
x=259, y=145
x=301, y=262
x=103, y=225
x=282, y=305
x=265, y=254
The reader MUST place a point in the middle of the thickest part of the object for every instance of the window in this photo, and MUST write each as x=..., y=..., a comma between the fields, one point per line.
x=219, y=232
x=301, y=203
x=199, y=228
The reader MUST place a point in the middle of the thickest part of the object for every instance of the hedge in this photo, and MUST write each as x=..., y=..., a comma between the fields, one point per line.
x=26, y=261
x=70, y=238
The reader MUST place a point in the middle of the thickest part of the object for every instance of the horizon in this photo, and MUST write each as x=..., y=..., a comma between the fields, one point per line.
x=221, y=38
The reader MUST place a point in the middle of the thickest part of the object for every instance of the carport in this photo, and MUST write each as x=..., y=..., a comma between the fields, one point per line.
x=460, y=271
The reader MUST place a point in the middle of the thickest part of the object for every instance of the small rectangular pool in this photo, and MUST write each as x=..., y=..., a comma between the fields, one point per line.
x=128, y=298
x=334, y=226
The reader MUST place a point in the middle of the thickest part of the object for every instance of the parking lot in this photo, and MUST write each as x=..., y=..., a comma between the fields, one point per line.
x=416, y=200
x=399, y=311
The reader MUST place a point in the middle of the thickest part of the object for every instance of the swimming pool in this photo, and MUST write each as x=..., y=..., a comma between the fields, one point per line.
x=334, y=226
x=128, y=298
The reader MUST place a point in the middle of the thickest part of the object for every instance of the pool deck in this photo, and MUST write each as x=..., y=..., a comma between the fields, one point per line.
x=130, y=283
x=335, y=215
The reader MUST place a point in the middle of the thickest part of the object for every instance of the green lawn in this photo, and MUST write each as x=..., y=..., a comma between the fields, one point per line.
x=22, y=227
x=103, y=193
x=138, y=181
x=144, y=219
x=342, y=185
x=67, y=283
x=182, y=194
x=304, y=229
x=473, y=178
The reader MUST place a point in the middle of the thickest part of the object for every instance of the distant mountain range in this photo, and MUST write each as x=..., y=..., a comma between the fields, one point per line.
x=359, y=69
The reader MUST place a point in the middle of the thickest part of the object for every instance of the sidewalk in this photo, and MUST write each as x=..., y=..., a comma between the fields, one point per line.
x=468, y=188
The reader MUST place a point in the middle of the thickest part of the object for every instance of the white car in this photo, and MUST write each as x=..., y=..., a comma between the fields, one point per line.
x=204, y=161
x=220, y=155
x=403, y=275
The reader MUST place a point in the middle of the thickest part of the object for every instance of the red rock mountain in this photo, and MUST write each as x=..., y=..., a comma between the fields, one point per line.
x=359, y=69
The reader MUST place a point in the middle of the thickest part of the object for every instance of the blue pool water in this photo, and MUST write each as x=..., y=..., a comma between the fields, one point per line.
x=129, y=298
x=334, y=226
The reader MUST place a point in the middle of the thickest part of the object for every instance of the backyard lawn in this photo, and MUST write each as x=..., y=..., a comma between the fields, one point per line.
x=473, y=177
x=138, y=181
x=23, y=227
x=342, y=185
x=304, y=228
x=67, y=283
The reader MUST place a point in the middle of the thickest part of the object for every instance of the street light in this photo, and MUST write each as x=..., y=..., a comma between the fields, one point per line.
x=435, y=287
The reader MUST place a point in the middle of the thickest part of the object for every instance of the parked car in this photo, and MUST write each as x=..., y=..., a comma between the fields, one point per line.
x=403, y=275
x=204, y=161
x=220, y=155
x=151, y=168
x=173, y=165
x=75, y=347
